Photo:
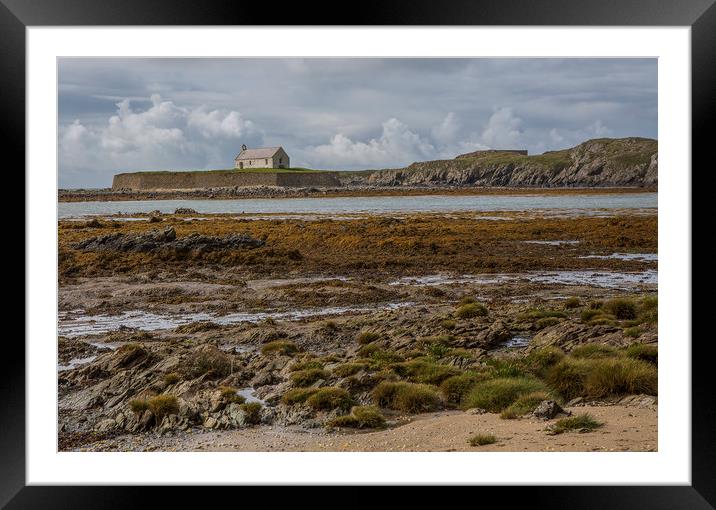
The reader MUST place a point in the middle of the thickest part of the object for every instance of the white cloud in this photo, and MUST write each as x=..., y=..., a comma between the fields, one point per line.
x=569, y=138
x=502, y=130
x=216, y=123
x=397, y=145
x=447, y=131
x=598, y=129
x=555, y=136
x=163, y=136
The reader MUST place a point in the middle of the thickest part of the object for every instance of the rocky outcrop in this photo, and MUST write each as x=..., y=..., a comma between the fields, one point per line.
x=488, y=337
x=600, y=162
x=568, y=335
x=166, y=240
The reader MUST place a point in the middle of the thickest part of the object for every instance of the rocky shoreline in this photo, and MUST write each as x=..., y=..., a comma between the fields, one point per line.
x=348, y=190
x=181, y=333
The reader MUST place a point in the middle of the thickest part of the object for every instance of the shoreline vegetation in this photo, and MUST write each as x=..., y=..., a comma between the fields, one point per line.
x=252, y=192
x=425, y=332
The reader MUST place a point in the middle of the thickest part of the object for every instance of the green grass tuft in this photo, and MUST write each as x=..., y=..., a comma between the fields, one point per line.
x=589, y=314
x=327, y=399
x=297, y=395
x=524, y=404
x=540, y=360
x=581, y=422
x=422, y=371
x=644, y=352
x=279, y=347
x=406, y=397
x=361, y=417
x=546, y=322
x=172, y=378
x=456, y=387
x=253, y=412
x=163, y=405
x=306, y=365
x=367, y=337
x=482, y=439
x=470, y=310
x=632, y=332
x=348, y=369
x=302, y=378
x=621, y=308
x=602, y=377
x=138, y=406
x=448, y=324
x=536, y=314
x=495, y=395
x=572, y=302
x=593, y=351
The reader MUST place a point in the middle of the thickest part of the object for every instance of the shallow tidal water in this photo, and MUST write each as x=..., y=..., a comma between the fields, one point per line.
x=76, y=323
x=374, y=205
x=593, y=278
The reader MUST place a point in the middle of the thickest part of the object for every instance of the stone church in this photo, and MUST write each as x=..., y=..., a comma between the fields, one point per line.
x=262, y=157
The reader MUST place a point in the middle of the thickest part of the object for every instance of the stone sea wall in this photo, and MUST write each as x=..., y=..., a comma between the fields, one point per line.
x=194, y=180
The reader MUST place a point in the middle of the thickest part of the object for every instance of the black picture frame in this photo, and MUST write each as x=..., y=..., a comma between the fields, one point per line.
x=700, y=15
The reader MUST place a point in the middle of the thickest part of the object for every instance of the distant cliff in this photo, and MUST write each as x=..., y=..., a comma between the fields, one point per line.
x=594, y=163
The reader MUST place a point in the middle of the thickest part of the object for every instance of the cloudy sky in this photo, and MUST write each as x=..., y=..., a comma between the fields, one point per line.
x=147, y=114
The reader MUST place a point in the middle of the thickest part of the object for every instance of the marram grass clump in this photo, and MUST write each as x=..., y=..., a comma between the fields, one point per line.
x=252, y=411
x=422, y=371
x=621, y=308
x=348, y=369
x=309, y=376
x=602, y=377
x=406, y=397
x=494, y=395
x=306, y=365
x=644, y=352
x=139, y=405
x=581, y=423
x=229, y=394
x=163, y=405
x=159, y=405
x=367, y=337
x=482, y=439
x=279, y=347
x=327, y=399
x=456, y=387
x=524, y=404
x=297, y=395
x=470, y=310
x=361, y=417
x=593, y=351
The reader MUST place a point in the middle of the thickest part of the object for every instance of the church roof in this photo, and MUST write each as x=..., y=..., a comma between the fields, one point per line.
x=258, y=153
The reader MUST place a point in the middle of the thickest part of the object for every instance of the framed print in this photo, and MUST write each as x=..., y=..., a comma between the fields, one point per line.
x=426, y=248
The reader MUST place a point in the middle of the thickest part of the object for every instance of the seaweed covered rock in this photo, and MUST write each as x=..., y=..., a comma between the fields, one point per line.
x=156, y=241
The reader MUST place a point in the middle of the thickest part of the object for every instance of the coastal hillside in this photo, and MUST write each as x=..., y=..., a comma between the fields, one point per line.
x=594, y=163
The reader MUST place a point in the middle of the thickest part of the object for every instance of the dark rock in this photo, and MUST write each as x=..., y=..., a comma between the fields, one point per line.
x=489, y=337
x=568, y=335
x=547, y=409
x=166, y=240
x=265, y=377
